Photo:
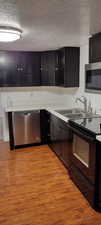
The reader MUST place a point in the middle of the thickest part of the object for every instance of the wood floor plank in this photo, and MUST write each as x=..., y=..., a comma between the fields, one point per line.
x=35, y=189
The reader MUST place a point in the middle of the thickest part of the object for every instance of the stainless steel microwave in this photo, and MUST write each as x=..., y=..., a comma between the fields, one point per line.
x=93, y=77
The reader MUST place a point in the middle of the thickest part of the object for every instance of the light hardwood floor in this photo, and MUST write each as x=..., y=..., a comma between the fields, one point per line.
x=35, y=189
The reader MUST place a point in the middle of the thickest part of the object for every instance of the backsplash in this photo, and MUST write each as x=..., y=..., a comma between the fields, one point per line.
x=39, y=97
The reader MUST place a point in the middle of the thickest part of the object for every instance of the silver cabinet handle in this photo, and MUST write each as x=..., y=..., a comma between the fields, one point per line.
x=56, y=69
x=26, y=114
x=19, y=69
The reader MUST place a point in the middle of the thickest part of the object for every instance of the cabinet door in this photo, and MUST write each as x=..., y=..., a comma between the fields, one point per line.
x=8, y=69
x=30, y=68
x=68, y=75
x=19, y=69
x=60, y=139
x=66, y=144
x=44, y=72
x=14, y=71
x=71, y=76
x=59, y=74
x=3, y=68
x=51, y=67
x=57, y=69
x=55, y=135
x=48, y=62
x=45, y=126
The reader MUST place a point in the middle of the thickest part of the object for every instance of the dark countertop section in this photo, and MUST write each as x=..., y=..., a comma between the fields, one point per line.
x=92, y=125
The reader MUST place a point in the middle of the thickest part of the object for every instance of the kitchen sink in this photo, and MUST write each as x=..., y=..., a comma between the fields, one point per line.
x=69, y=111
x=76, y=113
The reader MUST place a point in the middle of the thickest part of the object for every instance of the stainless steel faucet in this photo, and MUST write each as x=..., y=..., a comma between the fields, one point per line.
x=84, y=101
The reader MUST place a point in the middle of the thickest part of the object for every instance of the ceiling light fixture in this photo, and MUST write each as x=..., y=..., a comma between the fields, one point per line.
x=9, y=34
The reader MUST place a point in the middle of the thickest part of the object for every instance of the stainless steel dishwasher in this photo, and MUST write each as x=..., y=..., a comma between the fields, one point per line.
x=26, y=127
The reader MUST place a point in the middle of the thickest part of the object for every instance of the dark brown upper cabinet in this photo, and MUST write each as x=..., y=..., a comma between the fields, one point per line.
x=95, y=48
x=18, y=69
x=69, y=67
x=49, y=68
x=61, y=67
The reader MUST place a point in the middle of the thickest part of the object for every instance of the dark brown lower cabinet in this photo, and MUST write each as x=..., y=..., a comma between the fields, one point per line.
x=60, y=139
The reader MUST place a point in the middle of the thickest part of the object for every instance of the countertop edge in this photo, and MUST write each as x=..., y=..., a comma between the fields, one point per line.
x=39, y=108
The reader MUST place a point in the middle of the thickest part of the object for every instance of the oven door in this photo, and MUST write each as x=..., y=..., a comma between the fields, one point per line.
x=83, y=153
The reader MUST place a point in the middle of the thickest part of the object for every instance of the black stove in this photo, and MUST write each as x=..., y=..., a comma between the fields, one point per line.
x=92, y=125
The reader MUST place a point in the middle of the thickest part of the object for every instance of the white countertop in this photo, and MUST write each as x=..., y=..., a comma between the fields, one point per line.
x=64, y=118
x=50, y=109
x=30, y=107
x=98, y=138
x=22, y=108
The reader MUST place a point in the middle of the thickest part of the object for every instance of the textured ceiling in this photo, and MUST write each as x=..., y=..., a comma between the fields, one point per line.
x=50, y=24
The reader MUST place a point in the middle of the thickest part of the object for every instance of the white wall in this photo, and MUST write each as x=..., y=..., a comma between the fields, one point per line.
x=38, y=97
